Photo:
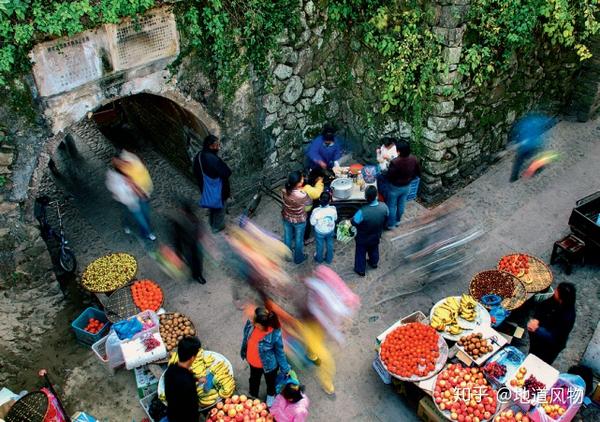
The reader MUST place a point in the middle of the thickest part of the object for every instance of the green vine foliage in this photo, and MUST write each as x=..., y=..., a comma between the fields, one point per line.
x=233, y=34
x=498, y=30
x=400, y=33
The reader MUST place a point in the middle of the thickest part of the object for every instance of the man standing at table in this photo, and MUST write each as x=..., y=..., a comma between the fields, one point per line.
x=325, y=150
x=180, y=383
x=369, y=221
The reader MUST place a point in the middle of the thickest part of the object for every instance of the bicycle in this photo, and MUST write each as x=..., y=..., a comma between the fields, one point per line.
x=66, y=257
x=263, y=188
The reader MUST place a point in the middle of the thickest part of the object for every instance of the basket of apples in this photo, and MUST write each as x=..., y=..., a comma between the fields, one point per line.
x=463, y=394
x=240, y=409
x=511, y=416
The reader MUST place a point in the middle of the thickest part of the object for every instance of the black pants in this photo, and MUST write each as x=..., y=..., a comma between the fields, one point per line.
x=191, y=252
x=216, y=219
x=255, y=376
x=360, y=255
x=548, y=352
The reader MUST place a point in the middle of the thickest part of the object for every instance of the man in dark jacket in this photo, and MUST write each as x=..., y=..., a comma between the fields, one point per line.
x=553, y=321
x=208, y=163
x=402, y=170
x=180, y=383
x=369, y=221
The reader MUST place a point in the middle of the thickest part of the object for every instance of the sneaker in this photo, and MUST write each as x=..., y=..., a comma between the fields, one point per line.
x=308, y=241
x=270, y=400
x=397, y=224
x=152, y=237
x=200, y=279
x=372, y=266
x=362, y=274
x=127, y=230
x=329, y=389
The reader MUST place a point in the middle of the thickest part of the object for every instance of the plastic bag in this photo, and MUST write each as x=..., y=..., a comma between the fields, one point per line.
x=113, y=350
x=128, y=328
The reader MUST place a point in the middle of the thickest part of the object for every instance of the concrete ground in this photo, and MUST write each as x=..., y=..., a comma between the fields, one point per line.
x=525, y=216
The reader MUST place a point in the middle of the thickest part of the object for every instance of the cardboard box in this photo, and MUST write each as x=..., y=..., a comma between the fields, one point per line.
x=428, y=412
x=145, y=380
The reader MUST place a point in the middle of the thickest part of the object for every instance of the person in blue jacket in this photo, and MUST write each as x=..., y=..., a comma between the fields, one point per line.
x=262, y=348
x=325, y=150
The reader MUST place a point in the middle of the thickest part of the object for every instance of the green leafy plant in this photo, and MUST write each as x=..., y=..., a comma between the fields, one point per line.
x=498, y=30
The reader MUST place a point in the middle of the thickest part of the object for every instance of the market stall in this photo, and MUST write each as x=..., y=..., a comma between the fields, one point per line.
x=465, y=369
x=134, y=332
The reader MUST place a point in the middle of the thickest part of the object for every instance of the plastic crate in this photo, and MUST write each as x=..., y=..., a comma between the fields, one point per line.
x=145, y=380
x=413, y=188
x=99, y=349
x=381, y=371
x=145, y=402
x=82, y=321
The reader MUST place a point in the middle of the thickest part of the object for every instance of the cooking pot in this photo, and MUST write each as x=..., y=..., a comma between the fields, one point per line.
x=342, y=188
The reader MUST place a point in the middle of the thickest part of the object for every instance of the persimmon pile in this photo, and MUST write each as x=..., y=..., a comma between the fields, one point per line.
x=411, y=350
x=147, y=295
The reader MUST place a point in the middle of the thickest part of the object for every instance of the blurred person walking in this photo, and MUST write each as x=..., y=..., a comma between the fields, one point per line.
x=212, y=175
x=133, y=196
x=262, y=348
x=187, y=234
x=296, y=202
x=402, y=170
x=370, y=222
x=528, y=140
x=323, y=219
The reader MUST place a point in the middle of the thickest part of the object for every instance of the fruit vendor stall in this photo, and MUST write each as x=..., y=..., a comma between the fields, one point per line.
x=459, y=367
x=133, y=331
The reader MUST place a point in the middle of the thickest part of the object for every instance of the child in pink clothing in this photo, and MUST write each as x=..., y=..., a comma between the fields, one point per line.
x=291, y=405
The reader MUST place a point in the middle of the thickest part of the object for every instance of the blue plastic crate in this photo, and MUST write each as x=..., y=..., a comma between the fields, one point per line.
x=413, y=188
x=82, y=321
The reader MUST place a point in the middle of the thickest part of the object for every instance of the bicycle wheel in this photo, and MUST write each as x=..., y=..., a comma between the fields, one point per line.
x=67, y=260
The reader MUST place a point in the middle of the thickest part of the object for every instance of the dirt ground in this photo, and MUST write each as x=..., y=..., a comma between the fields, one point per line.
x=526, y=216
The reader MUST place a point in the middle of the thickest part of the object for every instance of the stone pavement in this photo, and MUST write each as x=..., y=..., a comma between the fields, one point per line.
x=524, y=216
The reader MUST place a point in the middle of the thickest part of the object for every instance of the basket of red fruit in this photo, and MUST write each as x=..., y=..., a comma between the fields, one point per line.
x=90, y=326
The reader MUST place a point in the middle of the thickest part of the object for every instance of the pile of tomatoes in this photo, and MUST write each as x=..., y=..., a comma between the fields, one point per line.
x=517, y=264
x=147, y=295
x=94, y=326
x=411, y=350
x=465, y=393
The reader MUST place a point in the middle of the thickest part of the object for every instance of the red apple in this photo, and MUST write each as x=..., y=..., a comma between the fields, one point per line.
x=263, y=413
x=239, y=417
x=220, y=405
x=220, y=414
x=231, y=413
x=252, y=414
x=248, y=404
x=243, y=398
x=235, y=399
x=256, y=402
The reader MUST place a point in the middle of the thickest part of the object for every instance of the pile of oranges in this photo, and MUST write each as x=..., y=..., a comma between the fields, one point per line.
x=147, y=295
x=411, y=350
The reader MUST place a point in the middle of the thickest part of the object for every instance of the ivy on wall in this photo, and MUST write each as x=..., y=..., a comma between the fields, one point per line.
x=231, y=35
x=497, y=30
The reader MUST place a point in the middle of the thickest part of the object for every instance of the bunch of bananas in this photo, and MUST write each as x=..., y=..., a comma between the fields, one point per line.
x=207, y=398
x=468, y=307
x=445, y=316
x=223, y=380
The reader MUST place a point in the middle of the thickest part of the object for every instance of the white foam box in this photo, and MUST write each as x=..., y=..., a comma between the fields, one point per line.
x=135, y=353
x=543, y=372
